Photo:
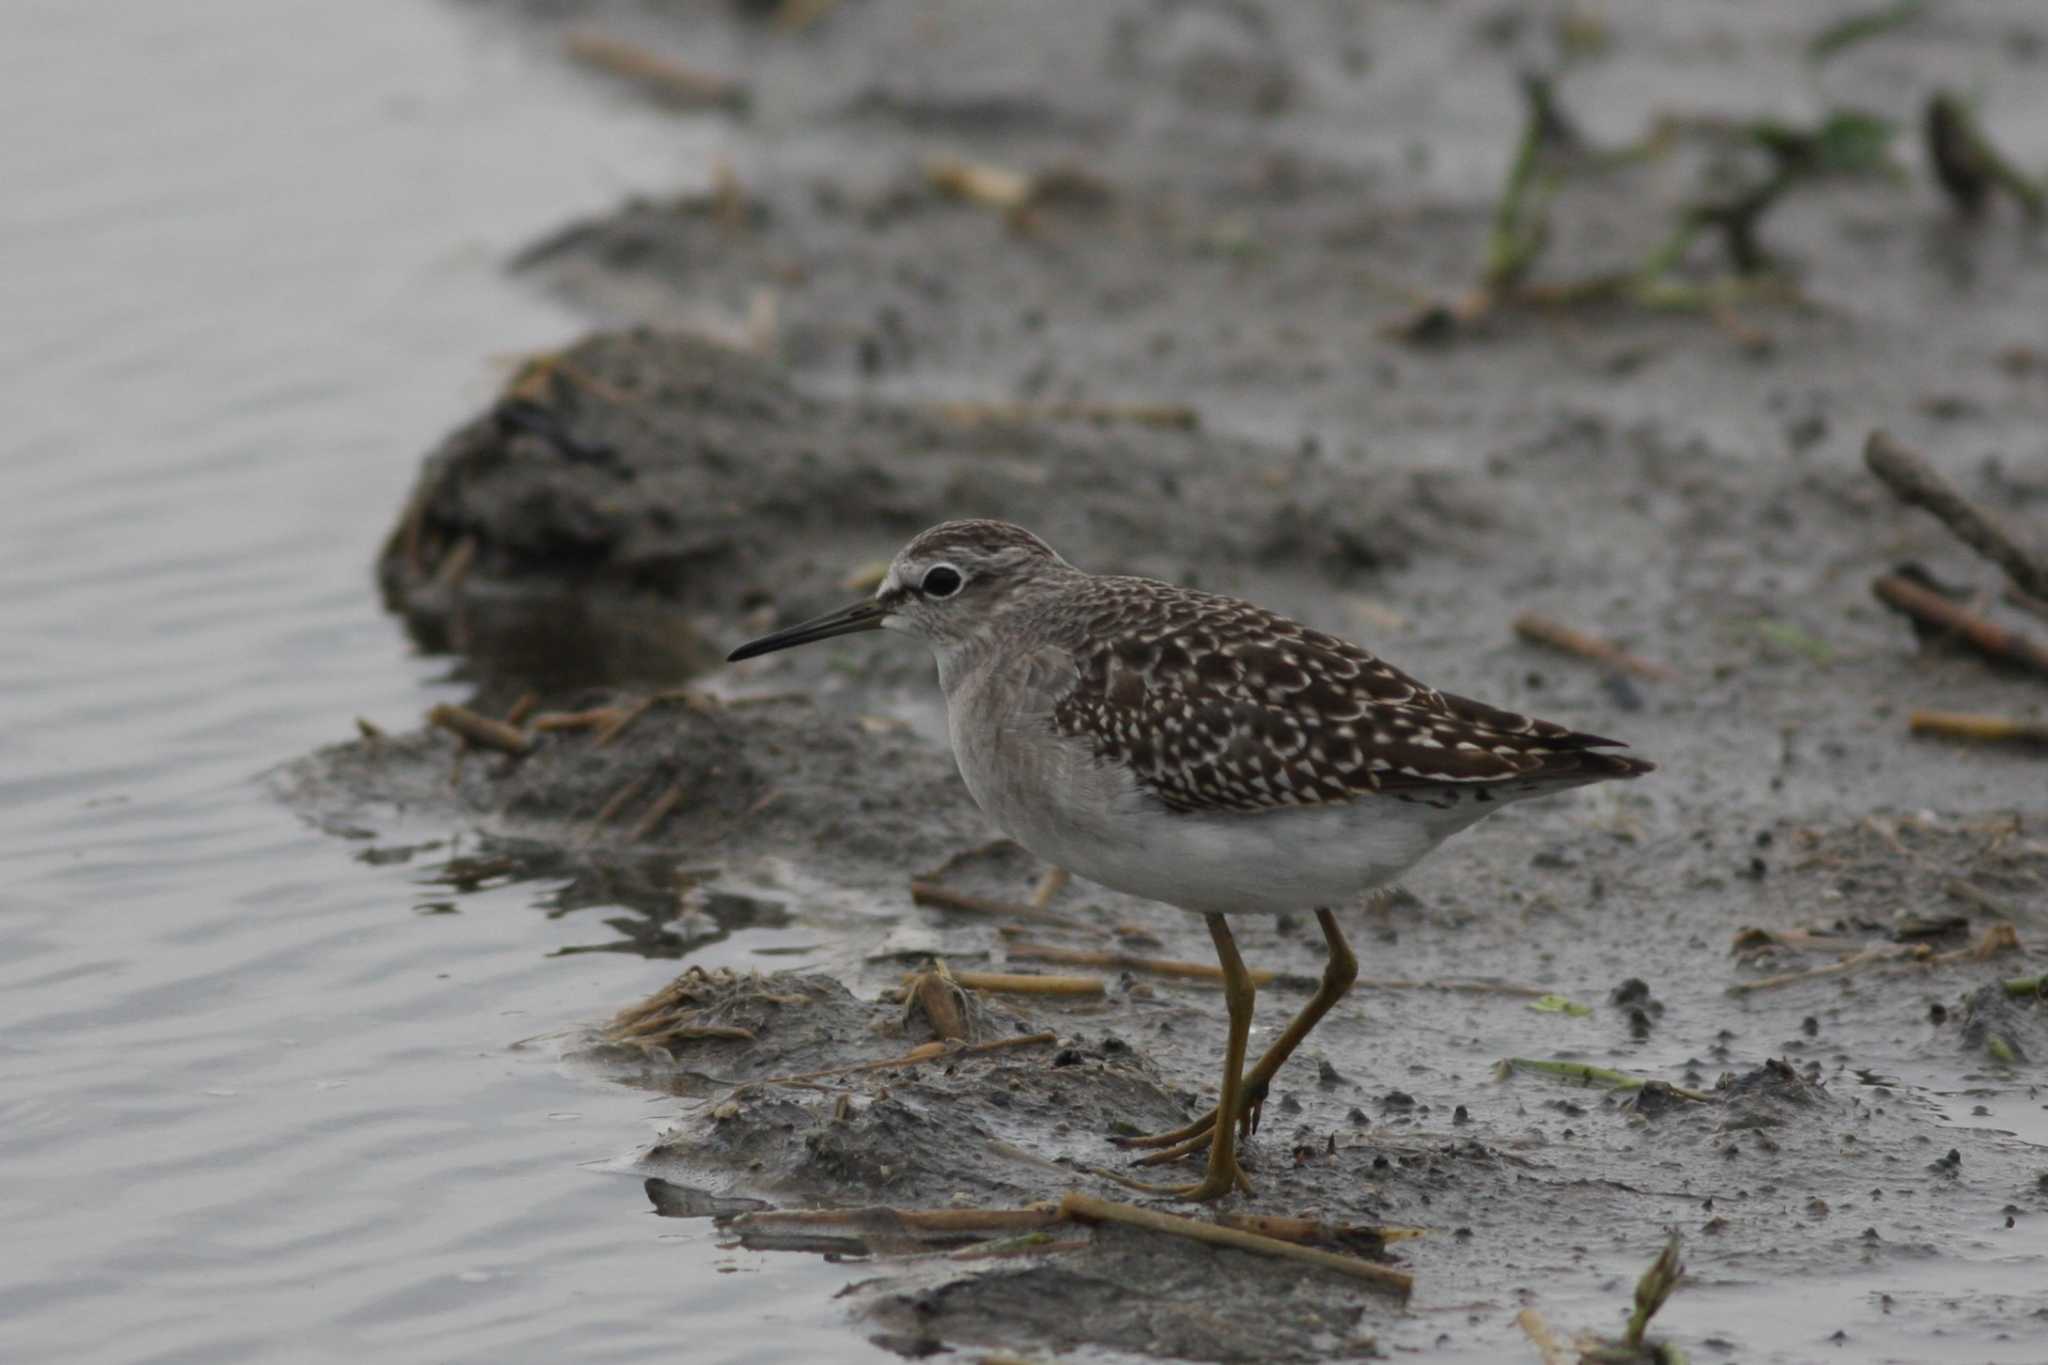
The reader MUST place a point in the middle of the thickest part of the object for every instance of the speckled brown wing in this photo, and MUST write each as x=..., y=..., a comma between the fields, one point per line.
x=1218, y=705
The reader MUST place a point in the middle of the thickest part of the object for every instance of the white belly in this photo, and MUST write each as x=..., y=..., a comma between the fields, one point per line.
x=1055, y=798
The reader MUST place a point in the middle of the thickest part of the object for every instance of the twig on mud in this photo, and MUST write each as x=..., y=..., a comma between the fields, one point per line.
x=482, y=731
x=521, y=709
x=939, y=897
x=1544, y=631
x=1171, y=416
x=1153, y=966
x=977, y=181
x=1999, y=938
x=616, y=726
x=1969, y=165
x=1016, y=194
x=663, y=807
x=617, y=802
x=1019, y=983
x=666, y=79
x=1088, y=1209
x=1986, y=637
x=1584, y=1073
x=1989, y=729
x=1546, y=1342
x=1918, y=484
x=595, y=718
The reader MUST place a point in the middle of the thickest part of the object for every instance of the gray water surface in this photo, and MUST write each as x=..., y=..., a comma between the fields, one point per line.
x=255, y=1105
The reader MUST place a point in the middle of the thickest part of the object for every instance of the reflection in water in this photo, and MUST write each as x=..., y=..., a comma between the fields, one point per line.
x=669, y=911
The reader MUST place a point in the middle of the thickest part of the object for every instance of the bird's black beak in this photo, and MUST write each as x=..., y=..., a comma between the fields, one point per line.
x=858, y=617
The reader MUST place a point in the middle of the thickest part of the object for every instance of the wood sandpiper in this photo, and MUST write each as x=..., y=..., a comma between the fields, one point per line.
x=1200, y=751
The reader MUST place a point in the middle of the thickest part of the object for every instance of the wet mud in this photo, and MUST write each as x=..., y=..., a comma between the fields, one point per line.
x=1800, y=930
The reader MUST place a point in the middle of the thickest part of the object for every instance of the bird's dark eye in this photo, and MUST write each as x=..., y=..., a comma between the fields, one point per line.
x=941, y=580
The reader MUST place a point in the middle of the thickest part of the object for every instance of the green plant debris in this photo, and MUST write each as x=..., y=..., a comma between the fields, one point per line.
x=1583, y=1073
x=2001, y=1051
x=2026, y=985
x=1847, y=32
x=1521, y=221
x=1848, y=142
x=1558, y=1004
x=1793, y=640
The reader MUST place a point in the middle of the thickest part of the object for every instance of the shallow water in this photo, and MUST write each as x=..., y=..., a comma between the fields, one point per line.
x=263, y=1098
x=257, y=1105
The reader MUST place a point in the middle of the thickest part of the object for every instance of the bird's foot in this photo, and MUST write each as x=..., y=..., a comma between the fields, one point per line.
x=1194, y=1137
x=1219, y=1180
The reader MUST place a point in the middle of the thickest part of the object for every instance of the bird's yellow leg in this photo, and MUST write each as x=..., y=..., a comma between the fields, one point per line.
x=1239, y=995
x=1338, y=974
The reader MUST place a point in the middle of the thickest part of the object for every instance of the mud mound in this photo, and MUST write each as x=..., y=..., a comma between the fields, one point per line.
x=671, y=472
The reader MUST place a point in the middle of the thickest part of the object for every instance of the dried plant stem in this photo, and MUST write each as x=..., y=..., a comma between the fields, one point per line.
x=664, y=806
x=1553, y=1350
x=1917, y=483
x=482, y=731
x=1020, y=983
x=1999, y=938
x=1088, y=1209
x=1986, y=637
x=943, y=897
x=1544, y=631
x=669, y=81
x=1988, y=729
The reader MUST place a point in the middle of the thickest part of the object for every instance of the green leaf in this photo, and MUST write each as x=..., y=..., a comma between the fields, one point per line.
x=1844, y=34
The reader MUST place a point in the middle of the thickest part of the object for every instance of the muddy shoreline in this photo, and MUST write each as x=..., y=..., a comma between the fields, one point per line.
x=1184, y=368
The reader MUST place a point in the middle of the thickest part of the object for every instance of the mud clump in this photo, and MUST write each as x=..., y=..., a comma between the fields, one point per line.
x=642, y=476
x=743, y=781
